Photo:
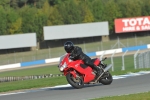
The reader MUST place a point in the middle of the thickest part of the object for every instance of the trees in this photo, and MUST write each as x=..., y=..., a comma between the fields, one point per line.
x=55, y=17
x=26, y=16
x=130, y=8
x=87, y=14
x=4, y=3
x=97, y=8
x=3, y=21
x=70, y=12
x=111, y=12
x=145, y=8
x=15, y=22
x=28, y=19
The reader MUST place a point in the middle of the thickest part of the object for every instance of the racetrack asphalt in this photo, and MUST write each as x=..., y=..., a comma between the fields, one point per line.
x=124, y=84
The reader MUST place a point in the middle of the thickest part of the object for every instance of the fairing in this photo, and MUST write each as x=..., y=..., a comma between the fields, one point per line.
x=74, y=66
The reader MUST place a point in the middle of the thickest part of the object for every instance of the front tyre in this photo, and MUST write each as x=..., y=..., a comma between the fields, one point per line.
x=75, y=82
x=106, y=79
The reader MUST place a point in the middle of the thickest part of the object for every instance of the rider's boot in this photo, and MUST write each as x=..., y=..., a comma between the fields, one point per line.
x=99, y=72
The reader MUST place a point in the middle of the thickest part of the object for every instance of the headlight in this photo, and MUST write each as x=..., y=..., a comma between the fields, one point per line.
x=63, y=67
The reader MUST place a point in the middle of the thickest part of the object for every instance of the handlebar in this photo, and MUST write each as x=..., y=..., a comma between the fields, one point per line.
x=104, y=58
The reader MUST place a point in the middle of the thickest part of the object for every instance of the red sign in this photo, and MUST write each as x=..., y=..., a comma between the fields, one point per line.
x=132, y=24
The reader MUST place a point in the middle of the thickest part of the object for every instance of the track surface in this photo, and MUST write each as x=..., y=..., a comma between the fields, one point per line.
x=125, y=84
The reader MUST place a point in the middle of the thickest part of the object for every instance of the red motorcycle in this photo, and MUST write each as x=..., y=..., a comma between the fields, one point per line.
x=78, y=74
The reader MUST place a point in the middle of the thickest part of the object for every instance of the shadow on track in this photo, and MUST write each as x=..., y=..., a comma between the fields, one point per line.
x=72, y=88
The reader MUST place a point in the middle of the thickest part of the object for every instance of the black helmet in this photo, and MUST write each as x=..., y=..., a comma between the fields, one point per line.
x=68, y=46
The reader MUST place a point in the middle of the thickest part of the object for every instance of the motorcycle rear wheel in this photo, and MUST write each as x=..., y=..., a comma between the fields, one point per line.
x=75, y=82
x=106, y=80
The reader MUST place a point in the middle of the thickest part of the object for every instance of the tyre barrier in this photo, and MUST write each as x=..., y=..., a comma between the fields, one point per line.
x=19, y=78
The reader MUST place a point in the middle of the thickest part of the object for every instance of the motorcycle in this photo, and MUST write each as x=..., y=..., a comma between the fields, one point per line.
x=78, y=74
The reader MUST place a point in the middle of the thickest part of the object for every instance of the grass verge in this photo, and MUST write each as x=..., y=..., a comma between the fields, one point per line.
x=29, y=84
x=139, y=96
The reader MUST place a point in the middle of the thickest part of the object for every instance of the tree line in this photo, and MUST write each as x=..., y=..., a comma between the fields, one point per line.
x=26, y=16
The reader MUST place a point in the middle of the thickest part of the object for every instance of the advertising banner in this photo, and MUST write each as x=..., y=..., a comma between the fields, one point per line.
x=132, y=24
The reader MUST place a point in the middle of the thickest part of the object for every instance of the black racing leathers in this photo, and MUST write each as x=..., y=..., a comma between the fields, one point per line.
x=78, y=54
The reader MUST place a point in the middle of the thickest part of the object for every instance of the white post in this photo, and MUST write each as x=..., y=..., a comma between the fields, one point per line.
x=118, y=43
x=49, y=50
x=112, y=62
x=101, y=57
x=101, y=46
x=15, y=56
x=135, y=55
x=84, y=47
x=135, y=39
x=127, y=43
x=148, y=65
x=123, y=65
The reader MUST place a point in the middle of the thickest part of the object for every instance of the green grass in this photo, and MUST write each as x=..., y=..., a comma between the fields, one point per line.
x=29, y=84
x=139, y=96
x=32, y=71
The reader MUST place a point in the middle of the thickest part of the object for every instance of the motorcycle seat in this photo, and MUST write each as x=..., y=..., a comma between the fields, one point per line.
x=83, y=66
x=93, y=60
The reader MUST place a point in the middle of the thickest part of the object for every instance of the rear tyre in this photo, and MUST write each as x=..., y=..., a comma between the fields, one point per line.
x=106, y=79
x=75, y=82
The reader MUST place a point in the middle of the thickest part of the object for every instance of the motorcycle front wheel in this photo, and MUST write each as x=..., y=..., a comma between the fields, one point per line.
x=106, y=78
x=75, y=82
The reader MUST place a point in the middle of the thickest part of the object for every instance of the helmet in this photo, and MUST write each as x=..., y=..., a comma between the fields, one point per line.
x=68, y=46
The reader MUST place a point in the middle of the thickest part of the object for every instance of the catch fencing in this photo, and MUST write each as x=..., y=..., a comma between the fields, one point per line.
x=17, y=57
x=31, y=77
x=142, y=60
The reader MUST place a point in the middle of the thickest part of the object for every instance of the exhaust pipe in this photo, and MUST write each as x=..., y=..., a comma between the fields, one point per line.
x=108, y=67
x=105, y=70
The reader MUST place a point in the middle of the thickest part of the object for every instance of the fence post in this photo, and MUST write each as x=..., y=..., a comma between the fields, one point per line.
x=148, y=65
x=118, y=43
x=141, y=61
x=101, y=46
x=49, y=51
x=135, y=40
x=101, y=57
x=112, y=62
x=15, y=56
x=123, y=65
x=135, y=55
x=84, y=47
x=127, y=43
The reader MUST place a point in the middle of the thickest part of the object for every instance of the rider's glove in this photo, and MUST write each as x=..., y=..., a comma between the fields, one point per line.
x=71, y=57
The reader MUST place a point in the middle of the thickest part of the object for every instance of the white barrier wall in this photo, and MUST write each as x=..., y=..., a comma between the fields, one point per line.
x=75, y=30
x=17, y=65
x=109, y=51
x=18, y=40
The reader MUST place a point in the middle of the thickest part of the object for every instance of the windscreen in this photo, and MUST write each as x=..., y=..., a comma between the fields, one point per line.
x=62, y=57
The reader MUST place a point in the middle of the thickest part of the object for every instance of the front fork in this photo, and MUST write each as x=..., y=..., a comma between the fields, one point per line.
x=73, y=72
x=75, y=76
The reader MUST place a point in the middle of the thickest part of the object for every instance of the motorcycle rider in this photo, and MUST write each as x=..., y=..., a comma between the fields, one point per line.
x=77, y=53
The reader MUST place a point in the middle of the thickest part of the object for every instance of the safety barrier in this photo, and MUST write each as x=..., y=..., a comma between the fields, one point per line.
x=91, y=54
x=31, y=77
